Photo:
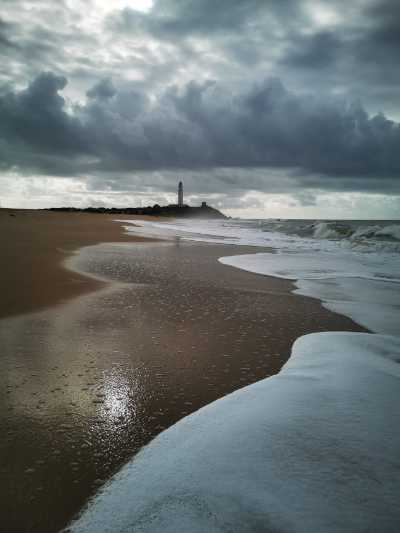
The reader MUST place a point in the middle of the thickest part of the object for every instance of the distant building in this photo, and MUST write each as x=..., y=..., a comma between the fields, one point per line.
x=204, y=204
x=180, y=194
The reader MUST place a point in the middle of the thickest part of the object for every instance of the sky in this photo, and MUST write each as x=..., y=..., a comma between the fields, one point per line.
x=263, y=108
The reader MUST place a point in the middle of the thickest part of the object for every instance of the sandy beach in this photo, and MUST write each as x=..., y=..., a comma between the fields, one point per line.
x=91, y=371
x=34, y=245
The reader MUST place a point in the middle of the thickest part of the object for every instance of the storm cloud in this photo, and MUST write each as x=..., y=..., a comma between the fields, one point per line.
x=237, y=91
x=200, y=125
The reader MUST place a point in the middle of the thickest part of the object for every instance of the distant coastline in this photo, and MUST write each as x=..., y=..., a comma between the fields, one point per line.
x=205, y=211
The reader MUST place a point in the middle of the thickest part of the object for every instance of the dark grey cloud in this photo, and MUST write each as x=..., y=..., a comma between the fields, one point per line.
x=36, y=118
x=318, y=51
x=103, y=90
x=5, y=30
x=198, y=126
x=175, y=19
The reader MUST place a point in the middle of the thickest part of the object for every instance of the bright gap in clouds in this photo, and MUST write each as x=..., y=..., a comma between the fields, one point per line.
x=107, y=5
x=322, y=14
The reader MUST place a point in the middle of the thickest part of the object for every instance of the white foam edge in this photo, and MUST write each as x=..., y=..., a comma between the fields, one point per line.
x=343, y=287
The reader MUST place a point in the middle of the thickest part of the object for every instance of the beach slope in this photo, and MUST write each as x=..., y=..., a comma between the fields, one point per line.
x=34, y=245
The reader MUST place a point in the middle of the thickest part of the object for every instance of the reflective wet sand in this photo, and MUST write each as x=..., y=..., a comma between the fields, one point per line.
x=85, y=384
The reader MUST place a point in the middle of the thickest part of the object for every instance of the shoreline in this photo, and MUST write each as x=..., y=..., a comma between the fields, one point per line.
x=36, y=245
x=87, y=384
x=324, y=427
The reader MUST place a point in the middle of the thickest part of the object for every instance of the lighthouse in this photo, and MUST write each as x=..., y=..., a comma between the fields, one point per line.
x=180, y=194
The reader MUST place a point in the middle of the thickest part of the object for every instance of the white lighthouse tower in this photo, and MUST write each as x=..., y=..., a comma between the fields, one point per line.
x=180, y=194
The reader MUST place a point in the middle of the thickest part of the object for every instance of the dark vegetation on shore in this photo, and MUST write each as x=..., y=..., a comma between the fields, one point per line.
x=205, y=211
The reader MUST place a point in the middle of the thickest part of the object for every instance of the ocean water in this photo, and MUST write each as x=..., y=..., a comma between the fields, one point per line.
x=314, y=448
x=280, y=233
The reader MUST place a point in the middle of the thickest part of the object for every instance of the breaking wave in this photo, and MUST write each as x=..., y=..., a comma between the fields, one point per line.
x=340, y=230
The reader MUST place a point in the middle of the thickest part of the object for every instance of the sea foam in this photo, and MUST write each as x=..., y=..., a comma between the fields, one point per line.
x=362, y=287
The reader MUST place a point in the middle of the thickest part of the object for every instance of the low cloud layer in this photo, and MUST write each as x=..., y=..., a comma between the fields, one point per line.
x=197, y=126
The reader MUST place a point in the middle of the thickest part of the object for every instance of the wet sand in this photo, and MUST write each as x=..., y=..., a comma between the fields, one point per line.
x=86, y=383
x=33, y=246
